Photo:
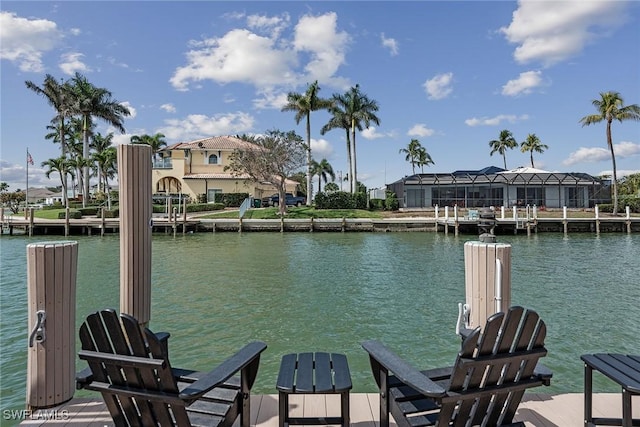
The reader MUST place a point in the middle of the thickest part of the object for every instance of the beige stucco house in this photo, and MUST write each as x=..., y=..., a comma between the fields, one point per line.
x=197, y=167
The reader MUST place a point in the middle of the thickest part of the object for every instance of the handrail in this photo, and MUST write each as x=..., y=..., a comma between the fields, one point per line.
x=244, y=206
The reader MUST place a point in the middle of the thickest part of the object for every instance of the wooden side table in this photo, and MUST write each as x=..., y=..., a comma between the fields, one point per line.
x=313, y=373
x=625, y=371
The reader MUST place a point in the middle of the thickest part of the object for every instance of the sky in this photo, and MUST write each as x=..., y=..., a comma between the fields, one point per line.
x=450, y=74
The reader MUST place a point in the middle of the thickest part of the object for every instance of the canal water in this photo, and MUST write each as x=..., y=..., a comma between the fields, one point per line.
x=331, y=291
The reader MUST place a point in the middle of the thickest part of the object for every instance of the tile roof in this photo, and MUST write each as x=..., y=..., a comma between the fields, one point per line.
x=212, y=143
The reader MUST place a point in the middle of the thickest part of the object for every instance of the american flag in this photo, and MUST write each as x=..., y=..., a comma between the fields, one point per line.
x=29, y=159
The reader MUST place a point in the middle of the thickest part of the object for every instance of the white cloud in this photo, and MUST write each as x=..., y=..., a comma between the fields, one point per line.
x=390, y=44
x=197, y=126
x=550, y=32
x=524, y=84
x=321, y=149
x=598, y=154
x=371, y=133
x=494, y=121
x=75, y=31
x=169, y=108
x=242, y=55
x=71, y=62
x=272, y=25
x=439, y=87
x=25, y=41
x=420, y=130
x=270, y=98
x=132, y=110
x=319, y=36
x=238, y=56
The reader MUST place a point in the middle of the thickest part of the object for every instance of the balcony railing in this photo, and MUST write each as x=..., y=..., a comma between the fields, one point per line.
x=162, y=163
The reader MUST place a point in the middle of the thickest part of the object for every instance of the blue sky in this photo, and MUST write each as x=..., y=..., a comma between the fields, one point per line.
x=450, y=74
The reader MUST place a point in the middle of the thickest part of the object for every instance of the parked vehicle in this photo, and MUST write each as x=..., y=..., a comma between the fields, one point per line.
x=290, y=200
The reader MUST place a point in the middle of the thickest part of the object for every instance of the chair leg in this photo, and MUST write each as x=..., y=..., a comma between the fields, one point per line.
x=283, y=408
x=384, y=399
x=626, y=409
x=588, y=396
x=344, y=408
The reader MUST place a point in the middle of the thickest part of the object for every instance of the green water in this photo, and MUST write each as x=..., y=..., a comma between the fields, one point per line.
x=330, y=291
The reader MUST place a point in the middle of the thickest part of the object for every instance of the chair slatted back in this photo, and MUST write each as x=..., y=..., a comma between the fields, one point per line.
x=492, y=369
x=138, y=391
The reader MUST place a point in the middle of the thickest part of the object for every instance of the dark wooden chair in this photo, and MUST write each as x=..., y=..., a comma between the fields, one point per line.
x=485, y=385
x=129, y=365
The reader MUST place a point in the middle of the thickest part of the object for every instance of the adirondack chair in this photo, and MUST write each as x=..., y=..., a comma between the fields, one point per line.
x=130, y=367
x=485, y=385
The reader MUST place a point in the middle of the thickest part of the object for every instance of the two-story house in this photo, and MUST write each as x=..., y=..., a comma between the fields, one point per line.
x=197, y=167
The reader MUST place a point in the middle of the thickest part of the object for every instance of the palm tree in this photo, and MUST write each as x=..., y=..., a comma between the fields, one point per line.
x=339, y=120
x=323, y=170
x=100, y=144
x=303, y=105
x=531, y=144
x=156, y=142
x=505, y=141
x=63, y=167
x=610, y=107
x=357, y=109
x=424, y=159
x=107, y=167
x=91, y=101
x=59, y=96
x=412, y=153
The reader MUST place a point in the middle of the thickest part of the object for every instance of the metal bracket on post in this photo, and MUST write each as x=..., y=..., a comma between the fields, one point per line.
x=464, y=313
x=38, y=334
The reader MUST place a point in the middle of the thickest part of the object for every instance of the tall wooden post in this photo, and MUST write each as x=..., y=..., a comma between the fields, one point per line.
x=484, y=296
x=51, y=289
x=134, y=175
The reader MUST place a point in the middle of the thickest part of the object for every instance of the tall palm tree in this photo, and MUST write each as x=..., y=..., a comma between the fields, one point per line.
x=92, y=101
x=358, y=110
x=424, y=159
x=412, y=152
x=504, y=142
x=107, y=168
x=340, y=120
x=63, y=167
x=59, y=96
x=99, y=144
x=531, y=144
x=303, y=105
x=324, y=170
x=156, y=142
x=610, y=107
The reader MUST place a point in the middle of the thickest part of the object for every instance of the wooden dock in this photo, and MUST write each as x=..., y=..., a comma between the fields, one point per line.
x=462, y=225
x=536, y=410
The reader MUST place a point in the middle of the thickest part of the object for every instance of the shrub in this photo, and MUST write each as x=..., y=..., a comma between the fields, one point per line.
x=73, y=214
x=232, y=200
x=92, y=210
x=391, y=201
x=113, y=213
x=341, y=200
x=201, y=198
x=204, y=207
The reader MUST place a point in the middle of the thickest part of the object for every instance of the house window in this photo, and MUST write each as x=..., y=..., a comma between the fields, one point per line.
x=213, y=159
x=211, y=194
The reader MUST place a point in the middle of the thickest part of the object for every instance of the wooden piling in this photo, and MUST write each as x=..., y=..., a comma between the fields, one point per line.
x=482, y=295
x=51, y=294
x=134, y=174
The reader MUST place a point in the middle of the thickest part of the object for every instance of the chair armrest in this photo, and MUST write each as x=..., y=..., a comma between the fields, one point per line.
x=247, y=355
x=83, y=378
x=543, y=373
x=402, y=370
